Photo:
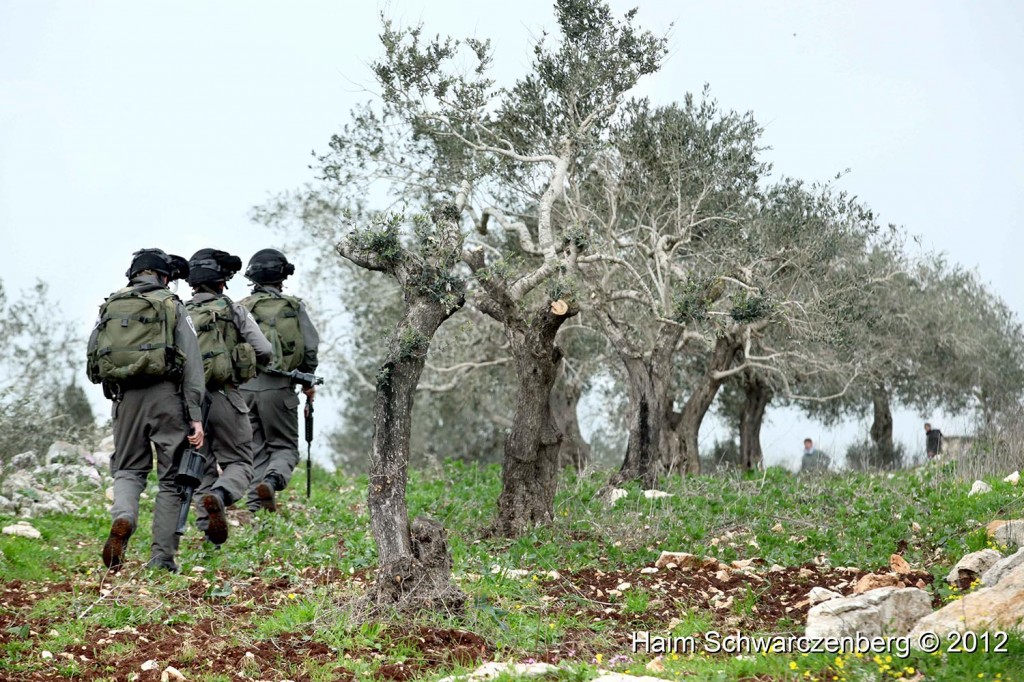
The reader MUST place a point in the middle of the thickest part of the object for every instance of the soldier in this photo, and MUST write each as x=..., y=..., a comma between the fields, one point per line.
x=144, y=351
x=273, y=403
x=232, y=345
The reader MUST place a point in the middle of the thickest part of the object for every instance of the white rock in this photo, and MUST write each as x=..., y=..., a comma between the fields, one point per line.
x=988, y=609
x=979, y=488
x=999, y=569
x=877, y=613
x=1010, y=533
x=622, y=587
x=24, y=461
x=1012, y=479
x=818, y=595
x=610, y=676
x=46, y=655
x=171, y=674
x=493, y=669
x=150, y=665
x=975, y=562
x=647, y=570
x=67, y=453
x=23, y=530
x=616, y=494
x=655, y=494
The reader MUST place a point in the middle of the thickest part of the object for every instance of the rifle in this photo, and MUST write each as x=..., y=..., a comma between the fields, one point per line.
x=306, y=380
x=190, y=474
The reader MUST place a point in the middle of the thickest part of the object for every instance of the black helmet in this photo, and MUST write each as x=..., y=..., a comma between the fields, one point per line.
x=174, y=267
x=212, y=265
x=268, y=266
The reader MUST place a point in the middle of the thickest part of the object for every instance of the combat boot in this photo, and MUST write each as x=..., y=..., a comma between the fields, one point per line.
x=266, y=492
x=113, y=549
x=217, y=520
x=165, y=564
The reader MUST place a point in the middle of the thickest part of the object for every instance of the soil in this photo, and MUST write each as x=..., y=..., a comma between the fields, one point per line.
x=756, y=600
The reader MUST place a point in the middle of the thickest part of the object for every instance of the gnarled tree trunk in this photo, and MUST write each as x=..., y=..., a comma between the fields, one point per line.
x=565, y=400
x=686, y=459
x=529, y=474
x=881, y=429
x=758, y=395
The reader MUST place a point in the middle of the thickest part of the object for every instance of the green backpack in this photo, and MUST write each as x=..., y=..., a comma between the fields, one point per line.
x=135, y=337
x=225, y=357
x=278, y=318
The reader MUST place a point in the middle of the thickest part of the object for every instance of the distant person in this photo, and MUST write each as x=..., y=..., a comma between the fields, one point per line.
x=813, y=460
x=932, y=441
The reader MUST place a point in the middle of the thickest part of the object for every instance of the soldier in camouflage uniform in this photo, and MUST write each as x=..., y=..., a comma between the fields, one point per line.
x=232, y=346
x=273, y=403
x=157, y=391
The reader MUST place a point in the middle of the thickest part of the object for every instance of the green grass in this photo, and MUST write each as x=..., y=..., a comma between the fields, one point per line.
x=289, y=579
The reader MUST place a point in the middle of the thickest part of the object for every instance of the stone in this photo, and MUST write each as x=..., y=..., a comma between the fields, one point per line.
x=171, y=674
x=101, y=460
x=1000, y=607
x=655, y=494
x=22, y=530
x=976, y=563
x=874, y=581
x=899, y=565
x=609, y=676
x=1001, y=568
x=493, y=669
x=993, y=526
x=7, y=506
x=17, y=482
x=1010, y=534
x=888, y=611
x=979, y=488
x=67, y=453
x=1012, y=479
x=817, y=595
x=616, y=494
x=26, y=461
x=685, y=560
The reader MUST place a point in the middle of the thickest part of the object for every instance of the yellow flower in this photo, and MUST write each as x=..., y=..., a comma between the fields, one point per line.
x=598, y=658
x=551, y=625
x=291, y=595
x=910, y=670
x=793, y=665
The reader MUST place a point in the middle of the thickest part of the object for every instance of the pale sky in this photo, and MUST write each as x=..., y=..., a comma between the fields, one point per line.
x=126, y=125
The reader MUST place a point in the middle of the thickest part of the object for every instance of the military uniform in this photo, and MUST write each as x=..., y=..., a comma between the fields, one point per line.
x=273, y=412
x=229, y=433
x=156, y=413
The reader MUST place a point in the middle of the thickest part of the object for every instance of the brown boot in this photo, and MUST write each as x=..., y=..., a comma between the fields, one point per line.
x=265, y=495
x=217, y=530
x=117, y=541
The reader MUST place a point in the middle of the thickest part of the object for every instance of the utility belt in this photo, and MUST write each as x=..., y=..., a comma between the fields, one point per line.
x=115, y=390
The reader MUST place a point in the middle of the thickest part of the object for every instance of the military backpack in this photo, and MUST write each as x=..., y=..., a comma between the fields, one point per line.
x=134, y=341
x=226, y=358
x=278, y=318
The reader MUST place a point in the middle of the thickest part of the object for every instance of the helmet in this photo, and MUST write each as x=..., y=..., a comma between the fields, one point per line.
x=174, y=267
x=268, y=266
x=212, y=265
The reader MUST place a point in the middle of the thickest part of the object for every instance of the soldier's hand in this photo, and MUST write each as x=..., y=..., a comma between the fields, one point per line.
x=310, y=392
x=196, y=435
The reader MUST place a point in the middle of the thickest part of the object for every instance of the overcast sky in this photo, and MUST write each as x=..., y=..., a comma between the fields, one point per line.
x=126, y=125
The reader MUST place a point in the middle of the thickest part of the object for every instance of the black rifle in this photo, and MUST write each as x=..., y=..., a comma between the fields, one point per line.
x=190, y=474
x=307, y=381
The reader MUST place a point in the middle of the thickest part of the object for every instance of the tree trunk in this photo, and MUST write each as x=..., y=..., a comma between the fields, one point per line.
x=684, y=455
x=757, y=395
x=648, y=393
x=565, y=399
x=530, y=466
x=881, y=429
x=415, y=568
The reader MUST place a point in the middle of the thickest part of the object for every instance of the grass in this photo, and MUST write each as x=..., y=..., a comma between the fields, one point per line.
x=276, y=600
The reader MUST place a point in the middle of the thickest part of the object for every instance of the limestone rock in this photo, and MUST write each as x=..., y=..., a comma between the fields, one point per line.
x=609, y=676
x=1000, y=607
x=25, y=461
x=493, y=669
x=66, y=453
x=881, y=612
x=1010, y=534
x=1012, y=479
x=993, y=526
x=976, y=563
x=686, y=560
x=655, y=494
x=817, y=595
x=899, y=565
x=1001, y=568
x=616, y=494
x=23, y=530
x=7, y=506
x=979, y=488
x=874, y=581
